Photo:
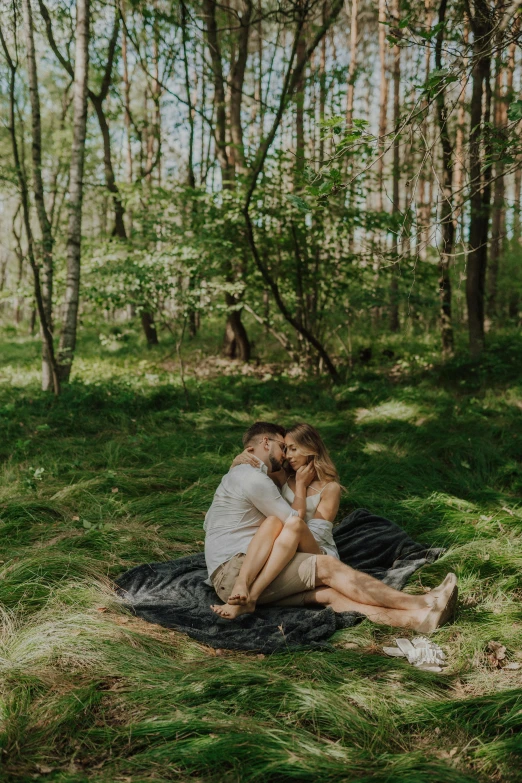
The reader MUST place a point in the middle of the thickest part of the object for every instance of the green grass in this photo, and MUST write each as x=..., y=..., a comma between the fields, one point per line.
x=89, y=693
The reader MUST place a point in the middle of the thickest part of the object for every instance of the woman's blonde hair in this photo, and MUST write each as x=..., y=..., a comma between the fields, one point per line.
x=310, y=443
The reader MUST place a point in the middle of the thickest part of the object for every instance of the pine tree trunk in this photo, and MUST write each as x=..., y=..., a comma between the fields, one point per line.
x=479, y=177
x=424, y=181
x=498, y=222
x=459, y=139
x=394, y=283
x=383, y=99
x=446, y=213
x=72, y=282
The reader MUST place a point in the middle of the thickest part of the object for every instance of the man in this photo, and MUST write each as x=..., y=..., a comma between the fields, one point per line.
x=245, y=500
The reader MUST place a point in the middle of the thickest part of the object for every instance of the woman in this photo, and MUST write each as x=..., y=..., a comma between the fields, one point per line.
x=304, y=446
x=308, y=468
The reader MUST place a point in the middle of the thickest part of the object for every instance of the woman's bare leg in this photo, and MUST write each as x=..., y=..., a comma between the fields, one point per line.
x=257, y=554
x=291, y=538
x=327, y=596
x=283, y=550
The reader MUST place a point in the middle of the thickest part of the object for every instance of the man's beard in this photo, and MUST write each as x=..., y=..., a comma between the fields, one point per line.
x=276, y=465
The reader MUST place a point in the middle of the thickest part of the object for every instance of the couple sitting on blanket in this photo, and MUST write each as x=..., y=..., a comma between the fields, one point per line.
x=268, y=538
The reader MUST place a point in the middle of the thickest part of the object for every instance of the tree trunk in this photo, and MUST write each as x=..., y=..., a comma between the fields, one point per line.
x=47, y=336
x=479, y=176
x=383, y=99
x=446, y=213
x=299, y=118
x=498, y=223
x=459, y=139
x=394, y=283
x=322, y=90
x=352, y=68
x=237, y=78
x=149, y=328
x=424, y=206
x=38, y=190
x=514, y=298
x=235, y=341
x=191, y=179
x=72, y=282
x=126, y=95
x=220, y=127
x=119, y=229
x=236, y=344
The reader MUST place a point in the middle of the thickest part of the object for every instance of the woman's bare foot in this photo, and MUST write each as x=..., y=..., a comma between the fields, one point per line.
x=230, y=612
x=434, y=594
x=443, y=607
x=240, y=594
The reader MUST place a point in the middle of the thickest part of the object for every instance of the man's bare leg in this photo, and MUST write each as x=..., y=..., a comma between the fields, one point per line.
x=421, y=619
x=434, y=607
x=257, y=554
x=294, y=533
x=365, y=589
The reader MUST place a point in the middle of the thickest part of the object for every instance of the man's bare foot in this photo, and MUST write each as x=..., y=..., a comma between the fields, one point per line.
x=240, y=594
x=442, y=608
x=231, y=611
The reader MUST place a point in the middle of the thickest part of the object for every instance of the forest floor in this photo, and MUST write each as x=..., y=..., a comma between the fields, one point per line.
x=121, y=469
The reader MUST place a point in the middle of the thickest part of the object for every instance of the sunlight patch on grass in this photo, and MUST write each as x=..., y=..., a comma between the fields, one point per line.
x=393, y=410
x=390, y=449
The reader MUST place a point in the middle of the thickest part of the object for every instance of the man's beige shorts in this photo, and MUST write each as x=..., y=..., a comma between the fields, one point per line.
x=296, y=578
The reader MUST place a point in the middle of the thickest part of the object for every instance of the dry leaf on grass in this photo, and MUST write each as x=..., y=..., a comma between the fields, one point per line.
x=496, y=654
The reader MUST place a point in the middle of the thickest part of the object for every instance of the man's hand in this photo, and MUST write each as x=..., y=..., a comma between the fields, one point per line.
x=246, y=458
x=305, y=475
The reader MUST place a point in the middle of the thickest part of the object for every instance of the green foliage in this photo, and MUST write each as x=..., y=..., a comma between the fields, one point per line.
x=515, y=111
x=87, y=692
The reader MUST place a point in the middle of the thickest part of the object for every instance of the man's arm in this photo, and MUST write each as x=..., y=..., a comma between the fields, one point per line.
x=265, y=496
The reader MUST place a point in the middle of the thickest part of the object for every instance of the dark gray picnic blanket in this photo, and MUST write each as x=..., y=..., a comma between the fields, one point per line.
x=173, y=594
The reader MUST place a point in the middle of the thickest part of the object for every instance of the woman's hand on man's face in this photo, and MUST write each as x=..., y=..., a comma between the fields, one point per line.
x=305, y=474
x=245, y=458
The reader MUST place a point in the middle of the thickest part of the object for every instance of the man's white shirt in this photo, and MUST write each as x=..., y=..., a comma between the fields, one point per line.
x=245, y=497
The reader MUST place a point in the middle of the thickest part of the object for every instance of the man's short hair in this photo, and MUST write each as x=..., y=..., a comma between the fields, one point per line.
x=260, y=428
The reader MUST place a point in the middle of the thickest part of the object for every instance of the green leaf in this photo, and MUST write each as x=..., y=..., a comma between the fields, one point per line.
x=299, y=203
x=515, y=111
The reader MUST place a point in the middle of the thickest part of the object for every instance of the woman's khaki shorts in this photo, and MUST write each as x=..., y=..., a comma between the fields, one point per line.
x=296, y=578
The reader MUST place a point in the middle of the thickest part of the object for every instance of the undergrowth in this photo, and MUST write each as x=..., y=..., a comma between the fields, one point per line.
x=121, y=469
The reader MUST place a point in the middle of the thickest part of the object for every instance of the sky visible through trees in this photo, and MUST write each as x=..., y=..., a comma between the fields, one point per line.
x=315, y=167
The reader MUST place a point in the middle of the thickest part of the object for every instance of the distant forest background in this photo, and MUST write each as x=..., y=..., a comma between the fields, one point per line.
x=313, y=169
